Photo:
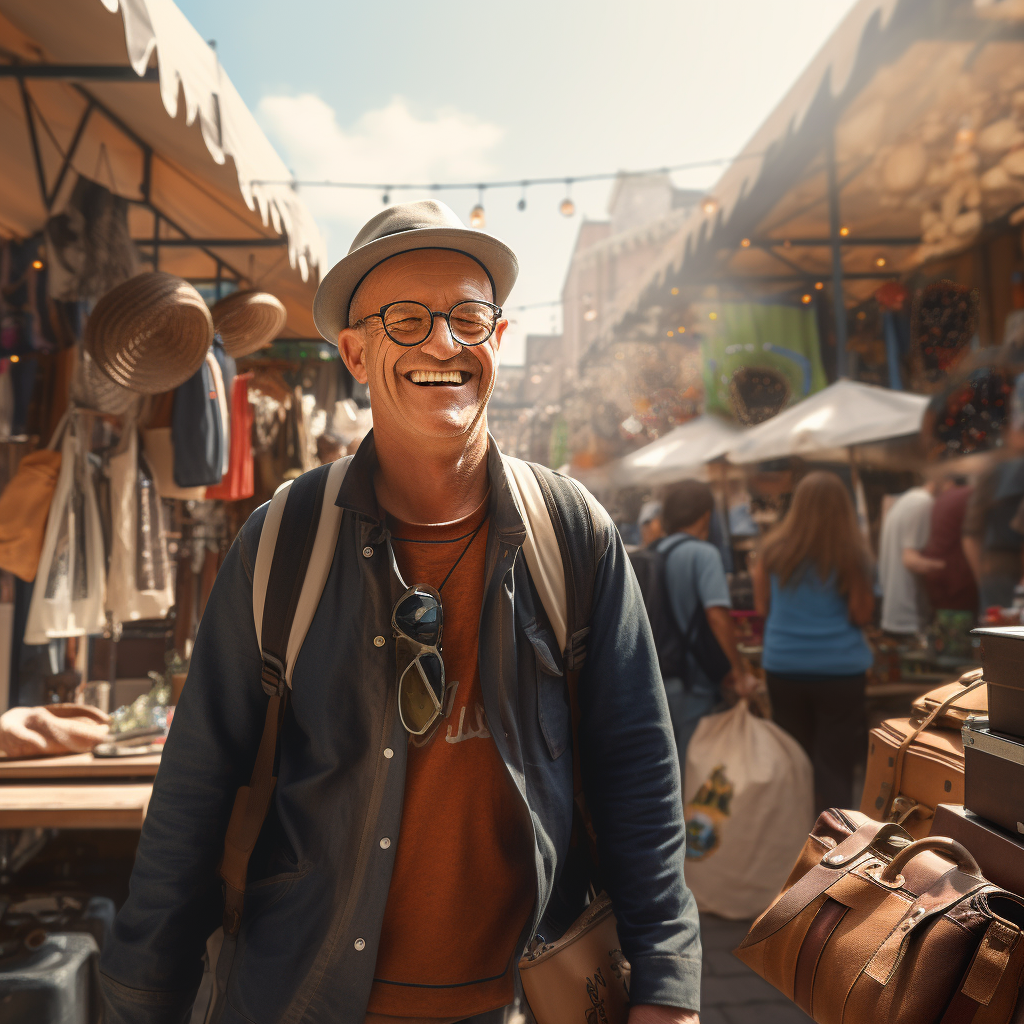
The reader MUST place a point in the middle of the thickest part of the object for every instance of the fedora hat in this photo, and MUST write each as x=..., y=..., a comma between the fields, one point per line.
x=150, y=333
x=248, y=320
x=403, y=228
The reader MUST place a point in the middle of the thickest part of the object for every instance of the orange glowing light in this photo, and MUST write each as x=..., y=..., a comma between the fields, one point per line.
x=675, y=291
x=670, y=334
x=745, y=243
x=805, y=299
x=844, y=231
x=15, y=359
x=880, y=262
x=818, y=285
x=37, y=264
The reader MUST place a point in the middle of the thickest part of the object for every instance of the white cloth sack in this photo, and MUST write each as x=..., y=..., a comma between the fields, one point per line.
x=749, y=805
x=140, y=584
x=67, y=599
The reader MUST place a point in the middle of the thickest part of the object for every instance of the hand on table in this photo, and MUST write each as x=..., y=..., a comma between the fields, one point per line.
x=662, y=1015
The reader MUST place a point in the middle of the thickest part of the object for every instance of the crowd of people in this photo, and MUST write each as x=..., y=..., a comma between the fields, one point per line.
x=949, y=555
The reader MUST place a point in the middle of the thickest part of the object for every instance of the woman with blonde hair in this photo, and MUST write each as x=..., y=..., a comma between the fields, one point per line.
x=812, y=581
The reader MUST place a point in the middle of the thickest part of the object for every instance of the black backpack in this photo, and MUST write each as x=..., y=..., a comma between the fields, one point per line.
x=671, y=643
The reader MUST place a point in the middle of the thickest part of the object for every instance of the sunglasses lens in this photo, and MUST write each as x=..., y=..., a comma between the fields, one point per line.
x=420, y=692
x=418, y=616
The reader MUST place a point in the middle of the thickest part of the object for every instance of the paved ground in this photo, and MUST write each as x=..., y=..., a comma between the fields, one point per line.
x=730, y=992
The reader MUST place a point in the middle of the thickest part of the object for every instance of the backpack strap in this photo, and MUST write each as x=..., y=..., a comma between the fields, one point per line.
x=558, y=517
x=297, y=543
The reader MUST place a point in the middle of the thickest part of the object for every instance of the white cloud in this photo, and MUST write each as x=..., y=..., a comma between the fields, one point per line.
x=390, y=144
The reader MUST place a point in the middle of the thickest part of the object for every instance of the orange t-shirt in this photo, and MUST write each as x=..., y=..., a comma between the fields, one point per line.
x=463, y=885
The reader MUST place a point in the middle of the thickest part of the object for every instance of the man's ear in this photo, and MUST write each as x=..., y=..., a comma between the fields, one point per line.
x=499, y=330
x=352, y=348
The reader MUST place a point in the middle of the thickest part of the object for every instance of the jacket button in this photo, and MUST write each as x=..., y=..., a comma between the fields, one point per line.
x=389, y=753
x=378, y=641
x=385, y=843
x=367, y=552
x=360, y=945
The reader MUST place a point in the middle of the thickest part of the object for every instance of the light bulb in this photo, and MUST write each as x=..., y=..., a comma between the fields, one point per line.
x=819, y=285
x=880, y=262
x=386, y=198
x=675, y=291
x=670, y=334
x=844, y=231
x=709, y=205
x=521, y=205
x=745, y=243
x=712, y=316
x=567, y=207
x=37, y=264
x=805, y=299
x=477, y=218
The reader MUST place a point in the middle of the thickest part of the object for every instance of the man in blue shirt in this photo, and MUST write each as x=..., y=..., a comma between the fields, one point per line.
x=695, y=578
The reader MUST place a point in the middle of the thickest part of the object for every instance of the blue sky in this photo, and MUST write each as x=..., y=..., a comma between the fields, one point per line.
x=456, y=91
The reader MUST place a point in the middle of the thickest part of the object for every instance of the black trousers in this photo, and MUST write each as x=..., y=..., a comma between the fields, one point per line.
x=825, y=715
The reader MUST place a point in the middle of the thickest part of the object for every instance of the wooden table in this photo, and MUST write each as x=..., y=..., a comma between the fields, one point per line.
x=76, y=791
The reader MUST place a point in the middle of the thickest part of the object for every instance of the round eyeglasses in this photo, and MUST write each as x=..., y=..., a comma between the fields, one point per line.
x=409, y=323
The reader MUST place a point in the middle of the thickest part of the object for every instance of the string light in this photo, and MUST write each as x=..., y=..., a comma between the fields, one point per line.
x=567, y=207
x=819, y=285
x=675, y=291
x=805, y=299
x=682, y=330
x=37, y=264
x=670, y=334
x=386, y=198
x=477, y=217
x=15, y=359
x=709, y=206
x=745, y=243
x=844, y=231
x=880, y=261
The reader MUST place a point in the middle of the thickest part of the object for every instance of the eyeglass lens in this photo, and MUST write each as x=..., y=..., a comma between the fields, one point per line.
x=418, y=616
x=410, y=323
x=421, y=692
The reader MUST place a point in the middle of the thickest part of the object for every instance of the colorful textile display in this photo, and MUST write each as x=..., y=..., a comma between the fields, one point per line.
x=238, y=483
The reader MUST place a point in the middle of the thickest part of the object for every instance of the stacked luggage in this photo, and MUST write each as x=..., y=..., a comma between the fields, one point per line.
x=917, y=763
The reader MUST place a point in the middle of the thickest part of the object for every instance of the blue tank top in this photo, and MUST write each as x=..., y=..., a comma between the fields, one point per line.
x=809, y=632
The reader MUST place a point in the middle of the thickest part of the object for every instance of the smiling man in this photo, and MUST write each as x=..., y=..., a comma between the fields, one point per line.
x=412, y=852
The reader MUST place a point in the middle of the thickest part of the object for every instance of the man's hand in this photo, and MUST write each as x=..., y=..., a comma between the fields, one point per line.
x=662, y=1015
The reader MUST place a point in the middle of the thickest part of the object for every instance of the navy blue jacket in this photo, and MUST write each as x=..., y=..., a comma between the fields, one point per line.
x=319, y=878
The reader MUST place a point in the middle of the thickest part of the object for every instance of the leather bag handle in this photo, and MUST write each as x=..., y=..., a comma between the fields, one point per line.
x=972, y=681
x=950, y=848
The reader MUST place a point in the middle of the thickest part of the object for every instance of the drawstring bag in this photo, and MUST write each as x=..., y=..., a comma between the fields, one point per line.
x=239, y=482
x=748, y=804
x=24, y=506
x=67, y=599
x=140, y=584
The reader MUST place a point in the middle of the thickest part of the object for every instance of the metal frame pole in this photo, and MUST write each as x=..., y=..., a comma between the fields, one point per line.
x=838, y=301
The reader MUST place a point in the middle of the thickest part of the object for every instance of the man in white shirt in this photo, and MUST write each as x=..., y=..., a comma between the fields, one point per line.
x=904, y=534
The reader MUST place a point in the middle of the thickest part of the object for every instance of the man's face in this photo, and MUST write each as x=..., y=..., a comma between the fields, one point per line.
x=403, y=402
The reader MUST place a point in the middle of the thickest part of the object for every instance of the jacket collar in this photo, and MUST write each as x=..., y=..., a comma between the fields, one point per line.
x=357, y=493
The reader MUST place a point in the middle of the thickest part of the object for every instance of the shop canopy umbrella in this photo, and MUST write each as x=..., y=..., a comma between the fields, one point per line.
x=682, y=452
x=128, y=94
x=822, y=426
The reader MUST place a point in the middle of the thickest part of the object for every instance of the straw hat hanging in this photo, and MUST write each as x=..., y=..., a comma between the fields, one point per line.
x=150, y=333
x=248, y=320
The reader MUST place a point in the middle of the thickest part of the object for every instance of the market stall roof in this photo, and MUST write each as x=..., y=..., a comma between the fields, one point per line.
x=844, y=414
x=683, y=452
x=898, y=144
x=127, y=93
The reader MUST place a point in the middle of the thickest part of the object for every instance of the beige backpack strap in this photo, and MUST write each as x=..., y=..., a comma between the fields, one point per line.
x=543, y=556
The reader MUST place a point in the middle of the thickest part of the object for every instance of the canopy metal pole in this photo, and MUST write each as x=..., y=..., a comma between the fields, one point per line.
x=838, y=301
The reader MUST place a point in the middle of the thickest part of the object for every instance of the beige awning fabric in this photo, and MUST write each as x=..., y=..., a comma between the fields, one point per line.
x=170, y=133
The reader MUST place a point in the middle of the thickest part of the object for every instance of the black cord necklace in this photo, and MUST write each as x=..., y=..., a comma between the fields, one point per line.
x=469, y=544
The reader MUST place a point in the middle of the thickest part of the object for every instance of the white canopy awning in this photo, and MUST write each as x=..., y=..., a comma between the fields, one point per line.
x=682, y=452
x=128, y=94
x=845, y=413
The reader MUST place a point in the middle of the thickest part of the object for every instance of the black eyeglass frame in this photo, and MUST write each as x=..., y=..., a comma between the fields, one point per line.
x=421, y=649
x=496, y=310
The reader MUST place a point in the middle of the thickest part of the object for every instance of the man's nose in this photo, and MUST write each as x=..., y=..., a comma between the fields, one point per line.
x=440, y=343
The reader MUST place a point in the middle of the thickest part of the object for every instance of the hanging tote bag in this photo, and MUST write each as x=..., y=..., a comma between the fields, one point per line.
x=68, y=596
x=24, y=506
x=238, y=483
x=140, y=584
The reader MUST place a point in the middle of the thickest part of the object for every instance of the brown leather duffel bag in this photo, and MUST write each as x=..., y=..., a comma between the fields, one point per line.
x=873, y=926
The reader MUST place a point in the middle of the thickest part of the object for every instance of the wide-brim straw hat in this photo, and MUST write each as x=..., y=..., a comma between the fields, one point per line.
x=403, y=228
x=248, y=320
x=150, y=333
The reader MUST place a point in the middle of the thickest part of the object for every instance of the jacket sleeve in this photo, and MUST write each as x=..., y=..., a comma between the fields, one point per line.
x=631, y=780
x=152, y=964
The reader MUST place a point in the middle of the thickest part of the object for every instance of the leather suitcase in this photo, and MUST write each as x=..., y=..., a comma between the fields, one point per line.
x=964, y=705
x=999, y=854
x=994, y=785
x=932, y=772
x=54, y=983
